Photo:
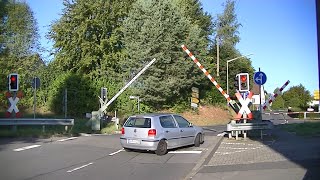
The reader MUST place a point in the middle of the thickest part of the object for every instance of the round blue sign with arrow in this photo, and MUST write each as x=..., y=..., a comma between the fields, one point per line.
x=260, y=78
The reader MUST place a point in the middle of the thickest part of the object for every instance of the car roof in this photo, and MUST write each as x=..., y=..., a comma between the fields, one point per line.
x=153, y=114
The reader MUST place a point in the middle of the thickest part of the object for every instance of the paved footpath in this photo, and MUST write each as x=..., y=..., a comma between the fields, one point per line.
x=281, y=155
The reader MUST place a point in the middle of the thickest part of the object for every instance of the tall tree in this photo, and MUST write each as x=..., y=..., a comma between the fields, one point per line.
x=226, y=35
x=88, y=37
x=297, y=97
x=18, y=42
x=18, y=29
x=156, y=29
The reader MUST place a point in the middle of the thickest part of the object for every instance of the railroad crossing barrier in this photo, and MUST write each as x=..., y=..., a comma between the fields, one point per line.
x=38, y=121
x=232, y=103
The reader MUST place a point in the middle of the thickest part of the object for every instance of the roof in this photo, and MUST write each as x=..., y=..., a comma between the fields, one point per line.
x=153, y=114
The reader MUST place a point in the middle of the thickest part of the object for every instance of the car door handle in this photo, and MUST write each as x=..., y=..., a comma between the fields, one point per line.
x=167, y=131
x=181, y=130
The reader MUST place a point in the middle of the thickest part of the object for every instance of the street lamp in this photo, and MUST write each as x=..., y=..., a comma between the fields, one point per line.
x=138, y=99
x=228, y=69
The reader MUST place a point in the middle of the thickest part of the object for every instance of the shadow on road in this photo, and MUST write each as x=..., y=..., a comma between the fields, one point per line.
x=303, y=151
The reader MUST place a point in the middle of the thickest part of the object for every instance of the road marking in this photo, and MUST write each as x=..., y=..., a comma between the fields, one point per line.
x=27, y=147
x=62, y=140
x=75, y=169
x=222, y=134
x=116, y=152
x=184, y=152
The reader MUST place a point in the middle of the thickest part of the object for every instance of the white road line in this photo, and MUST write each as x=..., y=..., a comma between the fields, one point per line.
x=222, y=134
x=184, y=152
x=27, y=147
x=61, y=140
x=116, y=152
x=75, y=169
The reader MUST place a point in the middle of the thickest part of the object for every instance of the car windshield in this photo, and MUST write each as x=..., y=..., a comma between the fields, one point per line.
x=138, y=122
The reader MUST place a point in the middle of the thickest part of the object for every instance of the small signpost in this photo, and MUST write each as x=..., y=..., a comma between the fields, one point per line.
x=195, y=97
x=260, y=78
x=35, y=84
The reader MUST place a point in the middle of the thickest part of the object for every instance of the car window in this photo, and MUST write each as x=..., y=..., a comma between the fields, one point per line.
x=138, y=122
x=182, y=122
x=167, y=122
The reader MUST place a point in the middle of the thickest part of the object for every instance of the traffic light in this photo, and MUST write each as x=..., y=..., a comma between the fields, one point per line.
x=243, y=80
x=236, y=82
x=13, y=83
x=104, y=93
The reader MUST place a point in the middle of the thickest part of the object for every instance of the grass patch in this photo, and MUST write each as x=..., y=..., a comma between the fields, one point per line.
x=304, y=129
x=109, y=129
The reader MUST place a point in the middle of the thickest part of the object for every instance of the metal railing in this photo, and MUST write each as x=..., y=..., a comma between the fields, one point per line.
x=14, y=122
x=248, y=126
x=38, y=121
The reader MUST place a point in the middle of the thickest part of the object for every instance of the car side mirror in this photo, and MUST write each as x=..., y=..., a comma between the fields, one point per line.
x=190, y=125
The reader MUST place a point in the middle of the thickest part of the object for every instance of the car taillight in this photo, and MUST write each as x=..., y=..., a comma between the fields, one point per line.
x=152, y=132
x=122, y=130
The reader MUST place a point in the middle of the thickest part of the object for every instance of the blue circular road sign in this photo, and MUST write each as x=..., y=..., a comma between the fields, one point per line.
x=260, y=78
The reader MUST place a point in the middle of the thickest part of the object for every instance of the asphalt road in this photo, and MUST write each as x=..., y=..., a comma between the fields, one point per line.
x=92, y=157
x=102, y=157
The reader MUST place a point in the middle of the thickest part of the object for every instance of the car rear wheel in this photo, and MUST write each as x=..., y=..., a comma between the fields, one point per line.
x=162, y=148
x=197, y=141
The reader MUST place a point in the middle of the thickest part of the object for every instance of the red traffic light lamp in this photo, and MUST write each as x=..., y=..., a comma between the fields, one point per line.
x=243, y=82
x=13, y=84
x=243, y=78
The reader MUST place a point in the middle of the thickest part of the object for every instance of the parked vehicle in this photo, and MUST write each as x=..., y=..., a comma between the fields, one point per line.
x=159, y=132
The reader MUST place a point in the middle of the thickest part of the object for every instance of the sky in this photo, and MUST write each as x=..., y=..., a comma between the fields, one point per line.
x=281, y=35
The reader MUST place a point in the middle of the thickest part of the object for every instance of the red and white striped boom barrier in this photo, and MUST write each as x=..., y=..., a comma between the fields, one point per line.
x=274, y=96
x=195, y=60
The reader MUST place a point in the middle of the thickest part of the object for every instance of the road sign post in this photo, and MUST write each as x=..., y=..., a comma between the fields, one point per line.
x=260, y=78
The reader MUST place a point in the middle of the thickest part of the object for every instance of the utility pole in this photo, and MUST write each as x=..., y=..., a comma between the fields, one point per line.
x=217, y=39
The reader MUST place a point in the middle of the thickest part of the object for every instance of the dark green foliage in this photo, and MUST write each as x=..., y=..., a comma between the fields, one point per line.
x=80, y=95
x=156, y=29
x=88, y=38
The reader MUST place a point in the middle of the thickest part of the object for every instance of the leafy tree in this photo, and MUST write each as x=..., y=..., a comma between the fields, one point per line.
x=297, y=97
x=88, y=37
x=18, y=44
x=156, y=29
x=278, y=103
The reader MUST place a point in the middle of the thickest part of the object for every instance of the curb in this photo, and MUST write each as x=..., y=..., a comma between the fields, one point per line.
x=204, y=160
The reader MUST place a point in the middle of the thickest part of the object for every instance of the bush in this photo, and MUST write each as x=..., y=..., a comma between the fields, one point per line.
x=81, y=96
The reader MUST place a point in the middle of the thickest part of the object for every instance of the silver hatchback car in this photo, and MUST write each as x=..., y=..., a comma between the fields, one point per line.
x=159, y=132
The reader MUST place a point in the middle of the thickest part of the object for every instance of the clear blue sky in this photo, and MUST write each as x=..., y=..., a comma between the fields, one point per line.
x=280, y=33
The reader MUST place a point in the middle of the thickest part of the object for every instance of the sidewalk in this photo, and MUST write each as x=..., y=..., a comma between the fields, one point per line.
x=282, y=156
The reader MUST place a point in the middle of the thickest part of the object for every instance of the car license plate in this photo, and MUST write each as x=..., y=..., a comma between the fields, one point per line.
x=133, y=141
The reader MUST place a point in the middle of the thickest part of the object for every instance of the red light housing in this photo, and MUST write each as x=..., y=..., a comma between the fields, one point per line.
x=152, y=132
x=243, y=78
x=122, y=130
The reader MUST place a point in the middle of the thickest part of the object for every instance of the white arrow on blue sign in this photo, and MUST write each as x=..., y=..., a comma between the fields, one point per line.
x=260, y=78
